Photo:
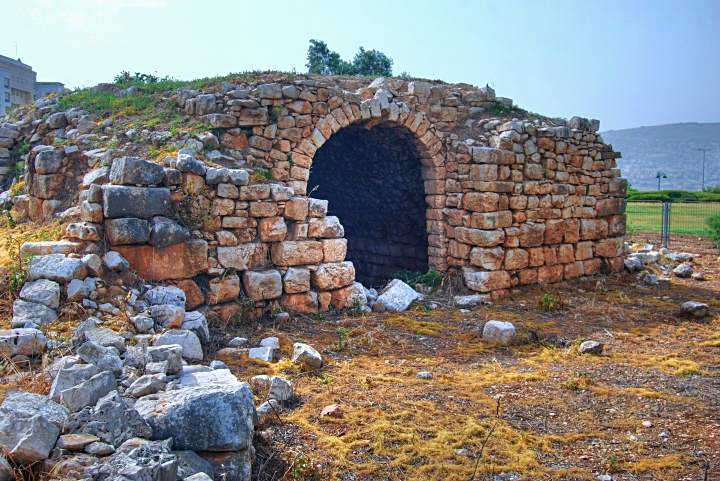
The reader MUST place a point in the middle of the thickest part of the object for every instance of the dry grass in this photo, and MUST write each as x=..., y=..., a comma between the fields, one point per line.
x=563, y=415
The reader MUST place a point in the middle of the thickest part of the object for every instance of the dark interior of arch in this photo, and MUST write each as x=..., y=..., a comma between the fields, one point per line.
x=373, y=182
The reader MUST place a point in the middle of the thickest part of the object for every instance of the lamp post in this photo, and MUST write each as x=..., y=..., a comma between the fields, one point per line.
x=658, y=176
x=704, y=150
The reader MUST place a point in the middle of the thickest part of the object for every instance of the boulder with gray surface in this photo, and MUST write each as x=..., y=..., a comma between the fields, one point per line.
x=498, y=332
x=215, y=417
x=31, y=314
x=396, y=297
x=29, y=426
x=42, y=291
x=307, y=355
x=696, y=309
x=191, y=346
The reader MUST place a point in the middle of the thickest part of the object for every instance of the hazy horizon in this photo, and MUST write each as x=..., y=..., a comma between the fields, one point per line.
x=625, y=63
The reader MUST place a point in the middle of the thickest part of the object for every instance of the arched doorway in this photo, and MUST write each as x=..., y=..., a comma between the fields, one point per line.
x=372, y=179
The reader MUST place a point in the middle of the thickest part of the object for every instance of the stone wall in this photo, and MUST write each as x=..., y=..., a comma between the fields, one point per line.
x=506, y=202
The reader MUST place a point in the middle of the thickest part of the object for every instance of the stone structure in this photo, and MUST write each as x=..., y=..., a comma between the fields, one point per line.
x=422, y=176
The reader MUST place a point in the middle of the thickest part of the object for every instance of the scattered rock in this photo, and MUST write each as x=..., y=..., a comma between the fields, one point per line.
x=425, y=375
x=112, y=420
x=166, y=295
x=277, y=387
x=105, y=358
x=396, y=297
x=499, y=332
x=147, y=384
x=683, y=271
x=238, y=342
x=694, y=308
x=170, y=355
x=56, y=267
x=633, y=264
x=98, y=448
x=87, y=393
x=263, y=353
x=331, y=411
x=472, y=300
x=75, y=442
x=188, y=340
x=71, y=376
x=591, y=347
x=268, y=411
x=307, y=355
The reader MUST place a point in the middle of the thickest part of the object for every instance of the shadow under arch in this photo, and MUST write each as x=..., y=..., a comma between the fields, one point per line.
x=373, y=177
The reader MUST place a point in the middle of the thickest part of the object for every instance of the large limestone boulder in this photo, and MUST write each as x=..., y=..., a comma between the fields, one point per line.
x=396, y=297
x=214, y=417
x=29, y=426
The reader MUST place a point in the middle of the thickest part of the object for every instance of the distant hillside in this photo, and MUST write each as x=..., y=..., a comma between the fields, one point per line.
x=671, y=149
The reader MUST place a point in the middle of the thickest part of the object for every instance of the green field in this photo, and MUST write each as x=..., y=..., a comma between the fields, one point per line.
x=685, y=218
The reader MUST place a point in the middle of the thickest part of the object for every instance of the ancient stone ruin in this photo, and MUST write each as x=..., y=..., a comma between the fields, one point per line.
x=301, y=188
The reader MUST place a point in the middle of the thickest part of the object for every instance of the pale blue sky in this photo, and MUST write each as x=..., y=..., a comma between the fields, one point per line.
x=626, y=62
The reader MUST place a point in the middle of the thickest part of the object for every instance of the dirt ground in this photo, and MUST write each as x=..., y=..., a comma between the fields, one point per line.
x=647, y=409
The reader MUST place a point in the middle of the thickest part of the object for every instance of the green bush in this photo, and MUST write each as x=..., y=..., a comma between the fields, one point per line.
x=673, y=195
x=713, y=223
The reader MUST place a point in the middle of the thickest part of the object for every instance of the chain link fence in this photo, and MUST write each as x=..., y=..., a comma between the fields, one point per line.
x=668, y=223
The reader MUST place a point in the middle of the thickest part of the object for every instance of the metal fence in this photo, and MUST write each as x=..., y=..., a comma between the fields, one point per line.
x=665, y=223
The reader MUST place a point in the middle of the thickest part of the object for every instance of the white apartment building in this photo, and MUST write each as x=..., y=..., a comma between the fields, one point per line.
x=19, y=85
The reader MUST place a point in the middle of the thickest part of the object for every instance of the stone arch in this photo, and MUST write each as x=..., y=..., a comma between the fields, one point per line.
x=398, y=123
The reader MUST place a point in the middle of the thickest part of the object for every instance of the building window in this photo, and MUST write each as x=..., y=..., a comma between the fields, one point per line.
x=7, y=82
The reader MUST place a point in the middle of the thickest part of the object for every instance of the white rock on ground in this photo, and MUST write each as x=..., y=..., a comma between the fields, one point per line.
x=262, y=353
x=266, y=412
x=633, y=264
x=307, y=355
x=396, y=297
x=105, y=358
x=277, y=387
x=499, y=332
x=694, y=308
x=591, y=347
x=471, y=300
x=170, y=355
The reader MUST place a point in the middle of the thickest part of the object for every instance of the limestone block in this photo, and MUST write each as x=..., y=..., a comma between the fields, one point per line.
x=333, y=275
